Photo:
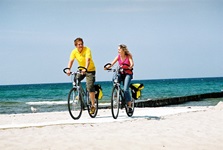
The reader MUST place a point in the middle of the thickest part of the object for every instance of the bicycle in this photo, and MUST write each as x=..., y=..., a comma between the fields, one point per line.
x=78, y=98
x=117, y=98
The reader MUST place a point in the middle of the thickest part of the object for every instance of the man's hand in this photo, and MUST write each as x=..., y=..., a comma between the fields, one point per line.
x=83, y=71
x=68, y=72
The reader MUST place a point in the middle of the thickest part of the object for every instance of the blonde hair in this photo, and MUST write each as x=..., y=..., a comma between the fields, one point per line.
x=125, y=49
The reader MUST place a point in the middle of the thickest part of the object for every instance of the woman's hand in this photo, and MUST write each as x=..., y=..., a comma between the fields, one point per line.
x=107, y=66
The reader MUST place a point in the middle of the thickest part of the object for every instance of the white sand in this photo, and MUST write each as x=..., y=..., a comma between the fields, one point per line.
x=163, y=128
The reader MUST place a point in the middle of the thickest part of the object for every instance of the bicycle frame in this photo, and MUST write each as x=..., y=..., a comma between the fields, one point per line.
x=117, y=84
x=78, y=85
x=120, y=99
x=78, y=98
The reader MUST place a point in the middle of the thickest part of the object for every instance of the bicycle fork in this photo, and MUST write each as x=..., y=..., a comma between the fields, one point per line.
x=121, y=98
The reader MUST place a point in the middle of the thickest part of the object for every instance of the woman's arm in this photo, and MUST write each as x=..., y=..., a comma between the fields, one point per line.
x=113, y=62
x=131, y=62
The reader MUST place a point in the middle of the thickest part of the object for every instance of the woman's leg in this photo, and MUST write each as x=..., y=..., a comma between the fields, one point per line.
x=127, y=82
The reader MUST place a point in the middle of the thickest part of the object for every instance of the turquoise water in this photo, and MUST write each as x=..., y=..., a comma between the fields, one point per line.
x=16, y=99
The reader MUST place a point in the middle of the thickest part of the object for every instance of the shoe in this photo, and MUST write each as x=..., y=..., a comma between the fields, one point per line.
x=92, y=110
x=130, y=110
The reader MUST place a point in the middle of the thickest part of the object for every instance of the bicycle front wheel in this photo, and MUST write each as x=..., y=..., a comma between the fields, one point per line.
x=115, y=99
x=75, y=104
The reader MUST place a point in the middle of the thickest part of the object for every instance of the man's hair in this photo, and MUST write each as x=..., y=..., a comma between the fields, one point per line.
x=78, y=40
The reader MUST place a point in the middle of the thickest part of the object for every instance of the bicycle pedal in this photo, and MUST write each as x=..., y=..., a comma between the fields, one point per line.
x=122, y=106
x=84, y=108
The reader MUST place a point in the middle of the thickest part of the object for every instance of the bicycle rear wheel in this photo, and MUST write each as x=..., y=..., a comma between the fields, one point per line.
x=115, y=99
x=96, y=108
x=133, y=108
x=75, y=104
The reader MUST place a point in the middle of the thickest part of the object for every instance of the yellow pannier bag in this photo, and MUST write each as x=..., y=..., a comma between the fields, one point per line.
x=136, y=89
x=98, y=91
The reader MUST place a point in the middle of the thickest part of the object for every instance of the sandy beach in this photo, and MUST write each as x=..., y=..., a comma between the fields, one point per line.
x=161, y=128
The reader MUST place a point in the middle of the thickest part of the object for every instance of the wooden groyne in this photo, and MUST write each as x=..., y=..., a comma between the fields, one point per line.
x=176, y=100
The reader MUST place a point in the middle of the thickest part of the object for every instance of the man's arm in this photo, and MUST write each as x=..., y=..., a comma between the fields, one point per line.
x=87, y=62
x=70, y=63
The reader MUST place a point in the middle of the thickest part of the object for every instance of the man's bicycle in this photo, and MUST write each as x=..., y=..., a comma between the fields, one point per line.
x=118, y=98
x=78, y=98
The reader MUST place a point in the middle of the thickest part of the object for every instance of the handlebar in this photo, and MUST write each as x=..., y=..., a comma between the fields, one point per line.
x=65, y=70
x=79, y=69
x=120, y=68
x=105, y=66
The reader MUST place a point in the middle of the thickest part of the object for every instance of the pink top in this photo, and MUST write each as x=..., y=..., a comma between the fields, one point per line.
x=125, y=64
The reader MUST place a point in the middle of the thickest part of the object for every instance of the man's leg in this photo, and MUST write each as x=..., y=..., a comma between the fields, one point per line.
x=90, y=79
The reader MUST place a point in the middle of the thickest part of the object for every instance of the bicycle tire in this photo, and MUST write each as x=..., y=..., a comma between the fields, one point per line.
x=133, y=108
x=115, y=102
x=96, y=109
x=75, y=104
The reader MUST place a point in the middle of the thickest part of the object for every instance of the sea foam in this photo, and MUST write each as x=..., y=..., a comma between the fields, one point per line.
x=47, y=103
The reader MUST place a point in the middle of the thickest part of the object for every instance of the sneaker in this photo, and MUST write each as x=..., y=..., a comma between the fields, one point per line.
x=92, y=110
x=130, y=110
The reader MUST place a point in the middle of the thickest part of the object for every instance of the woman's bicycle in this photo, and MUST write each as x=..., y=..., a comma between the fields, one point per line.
x=118, y=98
x=78, y=98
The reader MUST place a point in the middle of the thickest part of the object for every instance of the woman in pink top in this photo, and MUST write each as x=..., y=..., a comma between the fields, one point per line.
x=125, y=61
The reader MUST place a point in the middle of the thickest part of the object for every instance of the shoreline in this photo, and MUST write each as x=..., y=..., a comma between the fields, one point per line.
x=55, y=106
x=169, y=128
x=104, y=115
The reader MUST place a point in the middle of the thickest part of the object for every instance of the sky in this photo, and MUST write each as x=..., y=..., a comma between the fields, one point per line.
x=167, y=38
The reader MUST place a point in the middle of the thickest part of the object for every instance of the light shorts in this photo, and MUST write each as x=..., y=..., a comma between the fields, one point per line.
x=90, y=79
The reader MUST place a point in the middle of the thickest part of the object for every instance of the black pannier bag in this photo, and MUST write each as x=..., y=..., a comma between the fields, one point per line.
x=98, y=91
x=136, y=89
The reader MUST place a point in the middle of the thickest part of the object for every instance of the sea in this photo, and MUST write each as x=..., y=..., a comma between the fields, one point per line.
x=52, y=97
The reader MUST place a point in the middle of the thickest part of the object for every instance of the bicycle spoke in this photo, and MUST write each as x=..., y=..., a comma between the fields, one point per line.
x=74, y=104
x=115, y=102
